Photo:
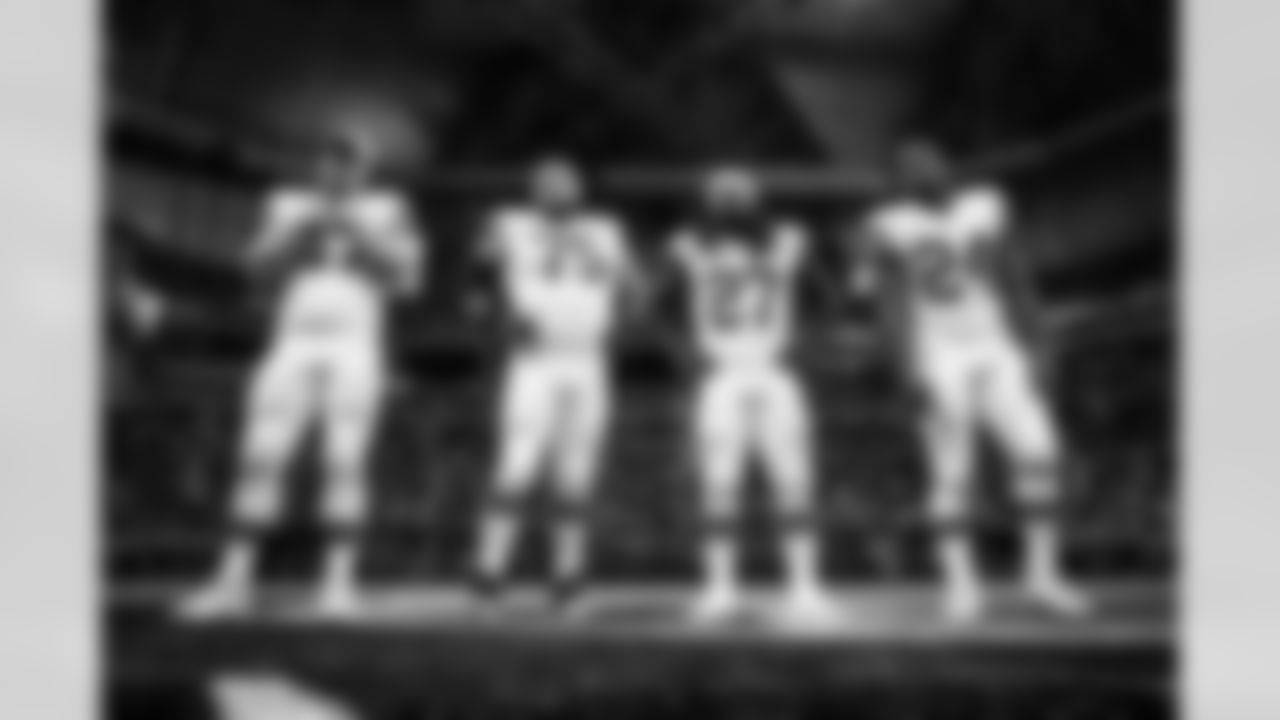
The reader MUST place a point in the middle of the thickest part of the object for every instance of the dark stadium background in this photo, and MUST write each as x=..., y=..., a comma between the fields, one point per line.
x=1070, y=103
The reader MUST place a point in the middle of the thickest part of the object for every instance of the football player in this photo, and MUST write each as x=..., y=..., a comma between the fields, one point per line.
x=563, y=266
x=336, y=249
x=960, y=313
x=741, y=264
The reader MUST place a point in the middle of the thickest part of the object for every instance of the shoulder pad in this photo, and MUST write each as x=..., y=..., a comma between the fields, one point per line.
x=985, y=203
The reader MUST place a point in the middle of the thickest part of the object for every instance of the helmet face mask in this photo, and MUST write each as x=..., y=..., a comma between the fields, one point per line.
x=343, y=166
x=557, y=184
x=733, y=210
x=731, y=191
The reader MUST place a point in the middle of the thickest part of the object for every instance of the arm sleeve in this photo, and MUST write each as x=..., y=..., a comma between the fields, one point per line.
x=993, y=213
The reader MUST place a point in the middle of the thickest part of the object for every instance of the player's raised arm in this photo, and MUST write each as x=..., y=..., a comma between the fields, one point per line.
x=279, y=220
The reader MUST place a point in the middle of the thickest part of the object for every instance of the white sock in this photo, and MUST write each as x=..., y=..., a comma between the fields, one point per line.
x=800, y=552
x=239, y=562
x=720, y=562
x=1043, y=551
x=956, y=555
x=570, y=549
x=498, y=533
x=341, y=563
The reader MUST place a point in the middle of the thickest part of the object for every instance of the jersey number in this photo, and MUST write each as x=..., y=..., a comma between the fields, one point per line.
x=745, y=299
x=943, y=273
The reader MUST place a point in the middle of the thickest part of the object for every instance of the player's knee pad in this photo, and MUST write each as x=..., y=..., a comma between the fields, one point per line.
x=513, y=483
x=1034, y=447
x=1038, y=487
x=350, y=425
x=346, y=497
x=346, y=457
x=574, y=488
x=506, y=499
x=722, y=452
x=522, y=449
x=345, y=469
x=576, y=465
x=949, y=446
x=788, y=464
x=720, y=518
x=259, y=496
x=721, y=499
x=270, y=438
x=574, y=450
x=1035, y=462
x=796, y=519
x=793, y=493
x=949, y=506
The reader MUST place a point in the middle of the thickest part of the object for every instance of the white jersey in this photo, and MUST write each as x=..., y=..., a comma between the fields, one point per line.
x=742, y=294
x=328, y=289
x=561, y=275
x=947, y=253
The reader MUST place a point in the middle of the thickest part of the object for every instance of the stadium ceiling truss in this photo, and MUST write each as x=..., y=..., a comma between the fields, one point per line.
x=658, y=80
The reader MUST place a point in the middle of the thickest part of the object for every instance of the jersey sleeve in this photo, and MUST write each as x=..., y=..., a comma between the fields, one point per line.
x=989, y=210
x=393, y=212
x=877, y=232
x=284, y=210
